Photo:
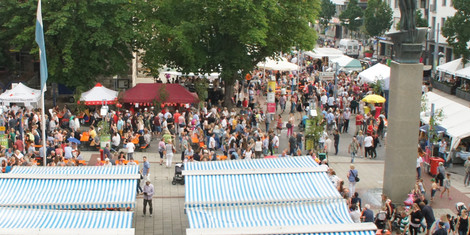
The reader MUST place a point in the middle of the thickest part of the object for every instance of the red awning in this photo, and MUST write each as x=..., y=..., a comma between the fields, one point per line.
x=148, y=92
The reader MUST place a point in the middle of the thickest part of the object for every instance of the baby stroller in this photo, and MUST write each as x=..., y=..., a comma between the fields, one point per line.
x=178, y=178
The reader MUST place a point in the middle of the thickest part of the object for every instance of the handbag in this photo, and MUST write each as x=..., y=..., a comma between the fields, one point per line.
x=288, y=125
x=355, y=176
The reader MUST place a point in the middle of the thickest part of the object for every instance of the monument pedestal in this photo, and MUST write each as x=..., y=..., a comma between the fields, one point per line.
x=404, y=106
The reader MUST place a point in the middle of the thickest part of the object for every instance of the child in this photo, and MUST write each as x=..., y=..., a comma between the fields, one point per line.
x=447, y=186
x=434, y=187
x=405, y=220
x=421, y=187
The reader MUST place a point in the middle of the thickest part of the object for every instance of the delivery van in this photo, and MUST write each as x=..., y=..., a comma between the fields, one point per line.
x=349, y=47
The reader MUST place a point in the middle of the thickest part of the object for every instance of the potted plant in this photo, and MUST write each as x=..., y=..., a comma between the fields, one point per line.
x=368, y=53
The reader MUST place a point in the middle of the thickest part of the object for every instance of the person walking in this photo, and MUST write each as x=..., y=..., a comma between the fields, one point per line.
x=145, y=170
x=466, y=181
x=416, y=218
x=352, y=178
x=353, y=147
x=447, y=185
x=130, y=149
x=169, y=152
x=441, y=172
x=148, y=194
x=368, y=144
x=463, y=223
x=419, y=163
x=336, y=141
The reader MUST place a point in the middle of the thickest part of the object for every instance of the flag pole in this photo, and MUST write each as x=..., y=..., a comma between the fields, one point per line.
x=43, y=126
x=43, y=72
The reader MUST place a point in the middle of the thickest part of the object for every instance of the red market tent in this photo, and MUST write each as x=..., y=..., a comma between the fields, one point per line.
x=146, y=93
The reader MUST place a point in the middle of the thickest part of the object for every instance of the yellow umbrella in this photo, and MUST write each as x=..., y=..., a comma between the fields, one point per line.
x=373, y=99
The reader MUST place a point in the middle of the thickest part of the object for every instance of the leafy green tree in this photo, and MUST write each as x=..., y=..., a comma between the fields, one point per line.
x=457, y=31
x=377, y=17
x=230, y=37
x=420, y=20
x=84, y=39
x=328, y=10
x=350, y=17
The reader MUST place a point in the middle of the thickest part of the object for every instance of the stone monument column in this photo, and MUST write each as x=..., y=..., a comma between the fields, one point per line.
x=404, y=105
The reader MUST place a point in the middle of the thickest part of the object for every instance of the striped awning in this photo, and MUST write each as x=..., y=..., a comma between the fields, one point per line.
x=31, y=221
x=69, y=187
x=74, y=170
x=210, y=190
x=294, y=214
x=271, y=163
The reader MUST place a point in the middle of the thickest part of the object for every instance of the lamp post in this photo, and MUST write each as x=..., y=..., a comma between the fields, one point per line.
x=436, y=52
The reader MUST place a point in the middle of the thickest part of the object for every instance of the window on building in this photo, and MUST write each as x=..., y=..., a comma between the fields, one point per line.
x=423, y=4
x=396, y=4
x=443, y=21
x=444, y=3
x=448, y=54
x=433, y=27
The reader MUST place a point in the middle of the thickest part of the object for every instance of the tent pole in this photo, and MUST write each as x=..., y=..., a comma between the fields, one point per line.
x=43, y=126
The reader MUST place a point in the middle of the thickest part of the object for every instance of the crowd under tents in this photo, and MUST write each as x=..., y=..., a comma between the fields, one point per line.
x=77, y=200
x=146, y=93
x=99, y=95
x=229, y=197
x=20, y=93
x=456, y=117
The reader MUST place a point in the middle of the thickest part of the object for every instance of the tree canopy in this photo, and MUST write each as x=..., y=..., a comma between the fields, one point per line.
x=221, y=35
x=457, y=31
x=377, y=17
x=328, y=10
x=84, y=39
x=350, y=17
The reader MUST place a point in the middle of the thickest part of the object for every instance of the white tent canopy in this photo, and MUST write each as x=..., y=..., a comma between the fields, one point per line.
x=21, y=94
x=281, y=64
x=452, y=66
x=320, y=52
x=347, y=63
x=455, y=120
x=464, y=73
x=377, y=72
x=98, y=95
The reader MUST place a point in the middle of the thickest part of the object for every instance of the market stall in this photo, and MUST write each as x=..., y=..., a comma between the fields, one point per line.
x=99, y=95
x=20, y=93
x=377, y=72
x=321, y=52
x=347, y=64
x=145, y=94
x=281, y=64
x=227, y=196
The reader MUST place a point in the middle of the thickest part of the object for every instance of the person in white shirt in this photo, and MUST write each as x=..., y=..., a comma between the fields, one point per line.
x=212, y=142
x=258, y=148
x=368, y=144
x=275, y=144
x=130, y=149
x=115, y=141
x=68, y=152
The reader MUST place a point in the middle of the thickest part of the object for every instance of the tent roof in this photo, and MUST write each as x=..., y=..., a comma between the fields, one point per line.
x=320, y=52
x=456, y=116
x=348, y=63
x=20, y=94
x=377, y=72
x=280, y=64
x=250, y=196
x=33, y=221
x=465, y=73
x=98, y=94
x=452, y=66
x=85, y=187
x=148, y=92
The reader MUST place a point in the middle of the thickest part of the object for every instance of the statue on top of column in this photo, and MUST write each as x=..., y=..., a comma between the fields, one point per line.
x=407, y=11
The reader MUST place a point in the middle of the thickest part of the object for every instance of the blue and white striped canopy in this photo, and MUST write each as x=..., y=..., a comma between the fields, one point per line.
x=210, y=190
x=74, y=170
x=67, y=194
x=293, y=214
x=271, y=163
x=11, y=218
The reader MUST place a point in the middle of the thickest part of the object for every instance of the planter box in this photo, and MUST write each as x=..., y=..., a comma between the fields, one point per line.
x=441, y=86
x=462, y=94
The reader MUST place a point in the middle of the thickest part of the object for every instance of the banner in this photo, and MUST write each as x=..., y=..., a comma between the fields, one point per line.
x=271, y=109
x=272, y=86
x=271, y=98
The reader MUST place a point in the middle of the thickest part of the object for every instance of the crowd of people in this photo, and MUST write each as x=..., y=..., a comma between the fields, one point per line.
x=212, y=131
